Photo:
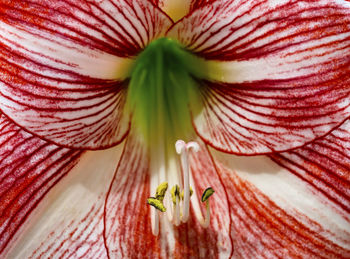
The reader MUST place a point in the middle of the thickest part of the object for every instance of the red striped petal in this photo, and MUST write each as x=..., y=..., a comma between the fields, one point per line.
x=29, y=168
x=63, y=63
x=284, y=68
x=128, y=223
x=70, y=221
x=297, y=207
x=196, y=4
x=127, y=217
x=218, y=241
x=325, y=166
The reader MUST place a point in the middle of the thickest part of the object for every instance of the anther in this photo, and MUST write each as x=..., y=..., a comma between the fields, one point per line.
x=156, y=203
x=161, y=190
x=205, y=198
x=175, y=193
x=180, y=196
x=207, y=193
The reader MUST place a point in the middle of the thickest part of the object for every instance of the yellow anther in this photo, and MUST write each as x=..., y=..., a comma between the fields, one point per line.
x=207, y=193
x=156, y=203
x=183, y=193
x=161, y=190
x=175, y=192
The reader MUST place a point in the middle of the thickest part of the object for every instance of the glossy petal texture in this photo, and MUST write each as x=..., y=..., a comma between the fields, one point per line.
x=128, y=224
x=29, y=168
x=279, y=71
x=69, y=224
x=282, y=209
x=63, y=63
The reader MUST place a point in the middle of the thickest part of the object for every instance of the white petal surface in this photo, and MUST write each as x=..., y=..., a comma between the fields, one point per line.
x=63, y=64
x=296, y=205
x=69, y=222
x=29, y=169
x=277, y=71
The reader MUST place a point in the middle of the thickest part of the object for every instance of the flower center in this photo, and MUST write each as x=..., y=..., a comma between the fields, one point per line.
x=161, y=87
x=179, y=201
x=163, y=96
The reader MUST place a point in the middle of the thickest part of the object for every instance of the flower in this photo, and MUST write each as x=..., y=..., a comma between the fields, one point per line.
x=267, y=92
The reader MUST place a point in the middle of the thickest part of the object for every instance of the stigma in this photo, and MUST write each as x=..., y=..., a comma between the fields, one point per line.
x=171, y=202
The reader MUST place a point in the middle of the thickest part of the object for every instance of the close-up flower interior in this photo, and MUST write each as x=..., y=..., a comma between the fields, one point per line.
x=175, y=129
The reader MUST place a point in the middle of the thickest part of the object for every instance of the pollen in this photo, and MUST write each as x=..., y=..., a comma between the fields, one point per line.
x=156, y=203
x=177, y=202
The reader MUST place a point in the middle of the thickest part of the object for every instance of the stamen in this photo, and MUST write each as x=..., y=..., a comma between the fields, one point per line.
x=175, y=192
x=156, y=203
x=207, y=193
x=182, y=193
x=175, y=195
x=179, y=198
x=183, y=148
x=161, y=190
x=205, y=198
x=155, y=221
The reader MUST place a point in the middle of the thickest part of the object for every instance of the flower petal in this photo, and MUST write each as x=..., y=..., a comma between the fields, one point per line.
x=63, y=64
x=324, y=165
x=128, y=222
x=69, y=221
x=279, y=71
x=29, y=168
x=282, y=209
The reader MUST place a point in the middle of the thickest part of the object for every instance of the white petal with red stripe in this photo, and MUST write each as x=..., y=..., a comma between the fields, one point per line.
x=325, y=165
x=128, y=217
x=278, y=71
x=69, y=221
x=297, y=207
x=63, y=63
x=29, y=169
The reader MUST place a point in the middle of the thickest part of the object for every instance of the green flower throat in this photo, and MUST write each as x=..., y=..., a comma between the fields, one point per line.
x=163, y=85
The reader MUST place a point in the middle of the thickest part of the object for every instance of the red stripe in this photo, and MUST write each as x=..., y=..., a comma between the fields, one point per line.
x=49, y=93
x=261, y=229
x=127, y=216
x=305, y=93
x=29, y=168
x=71, y=19
x=325, y=166
x=84, y=234
x=238, y=26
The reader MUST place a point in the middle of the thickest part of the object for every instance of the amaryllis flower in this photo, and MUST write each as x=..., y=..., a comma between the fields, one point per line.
x=94, y=94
